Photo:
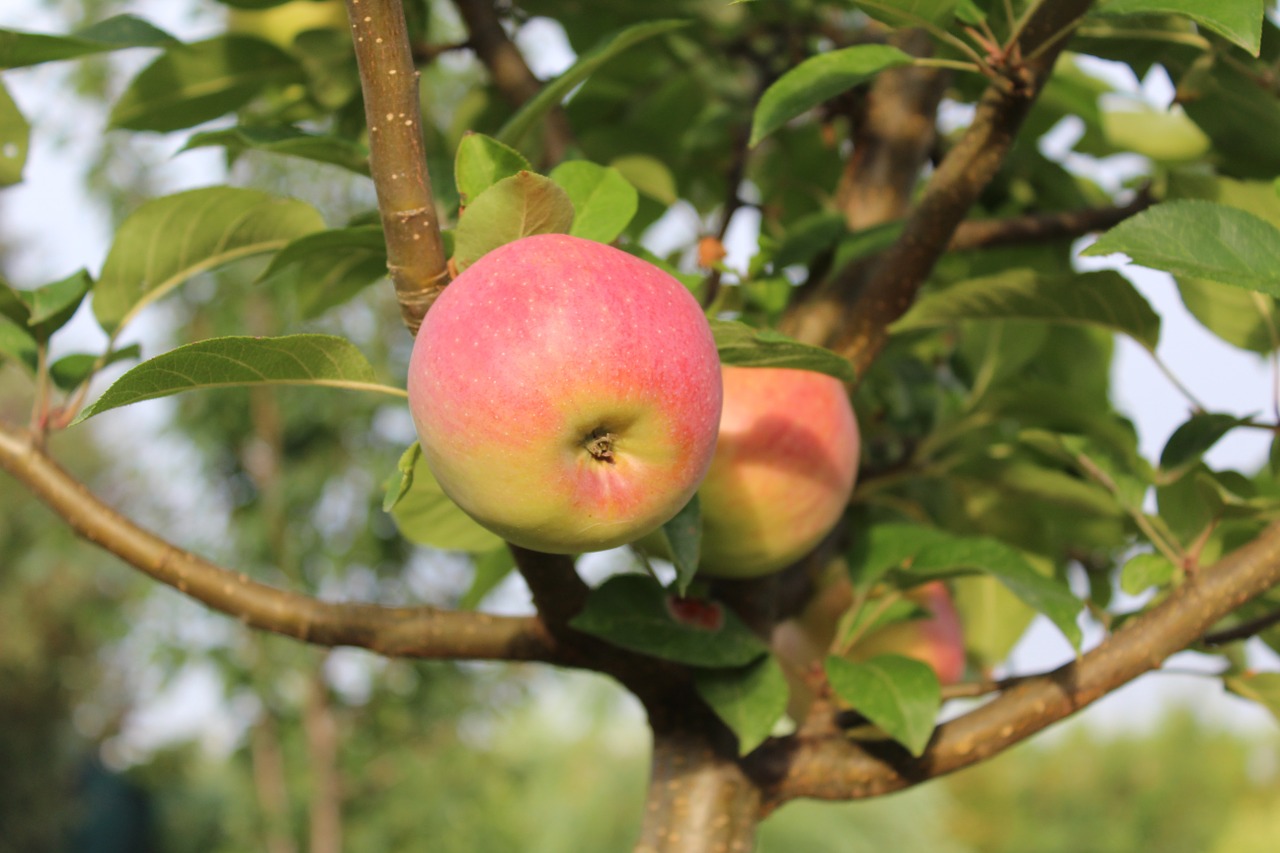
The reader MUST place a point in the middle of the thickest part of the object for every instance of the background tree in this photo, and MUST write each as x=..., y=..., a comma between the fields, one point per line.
x=931, y=268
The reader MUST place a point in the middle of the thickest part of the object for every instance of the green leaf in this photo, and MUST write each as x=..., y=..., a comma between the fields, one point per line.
x=1104, y=298
x=328, y=268
x=899, y=695
x=1238, y=21
x=71, y=370
x=426, y=515
x=491, y=568
x=53, y=305
x=1143, y=571
x=878, y=548
x=808, y=237
x=19, y=49
x=514, y=207
x=648, y=175
x=1049, y=596
x=324, y=360
x=744, y=346
x=683, y=535
x=194, y=83
x=15, y=139
x=397, y=485
x=1260, y=687
x=287, y=141
x=897, y=13
x=1200, y=239
x=481, y=162
x=17, y=342
x=1194, y=437
x=603, y=200
x=749, y=699
x=634, y=612
x=170, y=239
x=554, y=92
x=817, y=80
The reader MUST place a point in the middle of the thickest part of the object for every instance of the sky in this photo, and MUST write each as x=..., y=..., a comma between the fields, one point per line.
x=55, y=228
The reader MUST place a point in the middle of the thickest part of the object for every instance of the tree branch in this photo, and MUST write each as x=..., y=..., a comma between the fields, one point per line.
x=558, y=592
x=1243, y=631
x=981, y=233
x=832, y=767
x=423, y=632
x=509, y=72
x=397, y=159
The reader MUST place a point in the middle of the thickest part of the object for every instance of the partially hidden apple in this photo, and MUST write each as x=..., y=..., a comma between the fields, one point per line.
x=936, y=639
x=782, y=473
x=566, y=394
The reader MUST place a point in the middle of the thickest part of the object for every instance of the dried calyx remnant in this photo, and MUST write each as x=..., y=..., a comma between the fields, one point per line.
x=599, y=444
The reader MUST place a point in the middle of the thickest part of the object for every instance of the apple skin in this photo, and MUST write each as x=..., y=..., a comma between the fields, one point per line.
x=566, y=394
x=782, y=473
x=937, y=640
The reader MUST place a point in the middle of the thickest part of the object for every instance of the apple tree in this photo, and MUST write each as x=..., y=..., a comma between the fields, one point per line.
x=874, y=192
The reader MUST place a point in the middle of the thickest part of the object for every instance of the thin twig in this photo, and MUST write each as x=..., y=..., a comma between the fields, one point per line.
x=1037, y=227
x=1243, y=631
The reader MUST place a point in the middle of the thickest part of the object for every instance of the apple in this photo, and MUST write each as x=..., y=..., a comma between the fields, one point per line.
x=937, y=639
x=566, y=394
x=782, y=473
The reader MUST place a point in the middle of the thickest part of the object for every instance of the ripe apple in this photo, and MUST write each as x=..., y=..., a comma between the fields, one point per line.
x=937, y=639
x=566, y=394
x=782, y=473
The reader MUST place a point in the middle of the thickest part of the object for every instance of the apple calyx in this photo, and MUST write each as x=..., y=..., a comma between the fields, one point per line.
x=599, y=444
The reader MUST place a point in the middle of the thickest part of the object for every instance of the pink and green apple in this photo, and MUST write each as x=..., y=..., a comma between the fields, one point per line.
x=566, y=394
x=782, y=473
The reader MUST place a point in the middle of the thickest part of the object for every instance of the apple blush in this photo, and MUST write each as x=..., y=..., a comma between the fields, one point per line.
x=566, y=394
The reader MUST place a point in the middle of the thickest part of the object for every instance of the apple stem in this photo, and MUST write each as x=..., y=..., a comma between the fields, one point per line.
x=600, y=445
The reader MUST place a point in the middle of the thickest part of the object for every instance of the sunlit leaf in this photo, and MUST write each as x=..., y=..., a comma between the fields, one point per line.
x=287, y=141
x=321, y=360
x=1238, y=21
x=514, y=207
x=328, y=268
x=818, y=79
x=749, y=700
x=15, y=138
x=744, y=346
x=426, y=515
x=481, y=162
x=900, y=695
x=170, y=239
x=603, y=200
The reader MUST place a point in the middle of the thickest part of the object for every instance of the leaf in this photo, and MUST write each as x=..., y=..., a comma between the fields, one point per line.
x=683, y=542
x=71, y=370
x=648, y=175
x=53, y=305
x=1238, y=21
x=286, y=141
x=17, y=342
x=900, y=695
x=194, y=83
x=514, y=207
x=1194, y=437
x=1143, y=571
x=15, y=139
x=1200, y=239
x=1260, y=687
x=744, y=346
x=426, y=516
x=491, y=569
x=808, y=237
x=554, y=92
x=324, y=360
x=1104, y=298
x=398, y=484
x=911, y=12
x=633, y=612
x=481, y=162
x=603, y=200
x=749, y=700
x=170, y=239
x=19, y=49
x=817, y=80
x=877, y=548
x=327, y=268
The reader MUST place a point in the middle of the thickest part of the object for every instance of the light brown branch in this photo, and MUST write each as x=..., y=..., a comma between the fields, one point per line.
x=423, y=632
x=397, y=159
x=831, y=767
x=510, y=73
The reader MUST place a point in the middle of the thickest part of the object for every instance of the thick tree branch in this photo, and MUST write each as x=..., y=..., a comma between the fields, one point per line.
x=832, y=767
x=853, y=313
x=1035, y=227
x=416, y=259
x=510, y=73
x=423, y=632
